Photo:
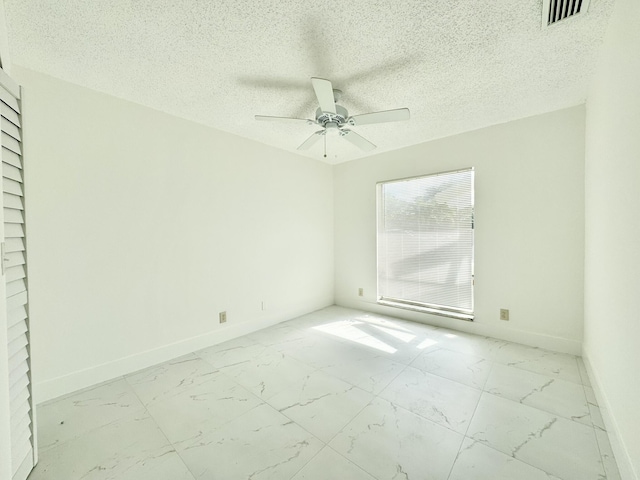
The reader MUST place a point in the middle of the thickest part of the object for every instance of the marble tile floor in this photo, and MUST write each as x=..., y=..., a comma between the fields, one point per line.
x=336, y=394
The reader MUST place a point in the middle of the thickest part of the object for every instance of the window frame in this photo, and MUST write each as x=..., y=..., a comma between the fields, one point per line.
x=430, y=308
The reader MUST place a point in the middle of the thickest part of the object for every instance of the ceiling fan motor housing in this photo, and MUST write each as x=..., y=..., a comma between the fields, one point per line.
x=340, y=117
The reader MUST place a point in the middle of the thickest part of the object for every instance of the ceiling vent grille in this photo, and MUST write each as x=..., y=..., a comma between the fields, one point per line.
x=554, y=11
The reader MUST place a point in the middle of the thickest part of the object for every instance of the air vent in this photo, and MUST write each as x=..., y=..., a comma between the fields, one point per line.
x=553, y=11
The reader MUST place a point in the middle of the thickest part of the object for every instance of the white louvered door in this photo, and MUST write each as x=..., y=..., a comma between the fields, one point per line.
x=15, y=271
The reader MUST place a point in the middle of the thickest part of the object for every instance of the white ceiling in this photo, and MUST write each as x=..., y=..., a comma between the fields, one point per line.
x=458, y=65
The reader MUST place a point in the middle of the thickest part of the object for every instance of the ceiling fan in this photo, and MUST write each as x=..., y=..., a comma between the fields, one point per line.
x=334, y=119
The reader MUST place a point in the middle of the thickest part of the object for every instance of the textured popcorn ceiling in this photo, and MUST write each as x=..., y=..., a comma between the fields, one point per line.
x=458, y=65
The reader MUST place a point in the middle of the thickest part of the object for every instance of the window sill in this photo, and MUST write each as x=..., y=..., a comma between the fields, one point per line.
x=432, y=311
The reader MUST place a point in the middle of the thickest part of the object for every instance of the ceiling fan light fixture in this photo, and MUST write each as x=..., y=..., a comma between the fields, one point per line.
x=332, y=128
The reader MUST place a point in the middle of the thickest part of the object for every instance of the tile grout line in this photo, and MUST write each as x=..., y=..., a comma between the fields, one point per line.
x=160, y=428
x=464, y=436
x=375, y=396
x=491, y=446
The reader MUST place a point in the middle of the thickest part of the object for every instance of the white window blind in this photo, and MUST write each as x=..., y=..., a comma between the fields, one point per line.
x=425, y=243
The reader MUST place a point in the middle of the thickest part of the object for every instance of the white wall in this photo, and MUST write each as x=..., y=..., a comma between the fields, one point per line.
x=612, y=260
x=529, y=239
x=143, y=226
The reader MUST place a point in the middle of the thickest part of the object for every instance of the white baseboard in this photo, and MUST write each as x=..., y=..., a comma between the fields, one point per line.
x=623, y=459
x=533, y=339
x=59, y=386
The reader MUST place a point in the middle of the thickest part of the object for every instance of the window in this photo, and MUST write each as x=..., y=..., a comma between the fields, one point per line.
x=425, y=243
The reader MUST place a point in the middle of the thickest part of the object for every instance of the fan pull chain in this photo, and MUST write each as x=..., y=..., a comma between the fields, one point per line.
x=325, y=146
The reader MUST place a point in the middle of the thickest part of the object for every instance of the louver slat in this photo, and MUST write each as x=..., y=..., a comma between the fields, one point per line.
x=13, y=216
x=15, y=273
x=13, y=245
x=12, y=158
x=11, y=172
x=10, y=128
x=11, y=143
x=12, y=187
x=10, y=114
x=9, y=100
x=13, y=230
x=16, y=316
x=12, y=201
x=17, y=359
x=14, y=259
x=15, y=287
x=21, y=448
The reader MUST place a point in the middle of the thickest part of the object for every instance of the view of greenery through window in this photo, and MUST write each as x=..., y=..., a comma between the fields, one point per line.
x=425, y=241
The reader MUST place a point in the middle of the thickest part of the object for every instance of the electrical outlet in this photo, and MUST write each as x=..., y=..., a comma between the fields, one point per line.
x=504, y=314
x=223, y=317
x=361, y=292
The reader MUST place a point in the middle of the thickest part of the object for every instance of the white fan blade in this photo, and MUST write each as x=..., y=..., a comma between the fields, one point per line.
x=265, y=118
x=358, y=140
x=311, y=140
x=324, y=92
x=396, y=115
